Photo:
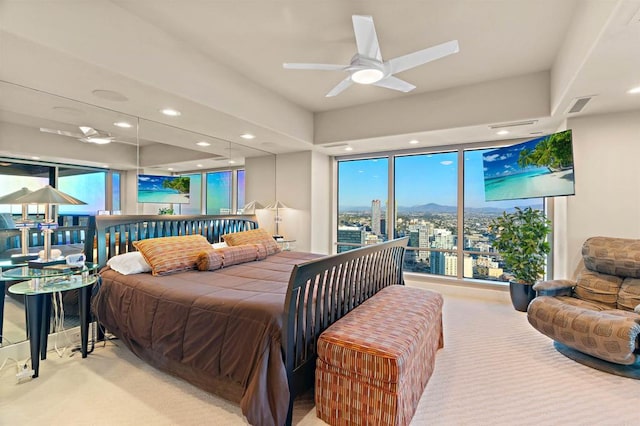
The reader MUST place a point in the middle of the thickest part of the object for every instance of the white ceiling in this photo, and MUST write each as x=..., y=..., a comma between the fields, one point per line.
x=220, y=63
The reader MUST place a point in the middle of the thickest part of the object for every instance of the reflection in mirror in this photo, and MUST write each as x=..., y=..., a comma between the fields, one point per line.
x=222, y=174
x=97, y=155
x=84, y=151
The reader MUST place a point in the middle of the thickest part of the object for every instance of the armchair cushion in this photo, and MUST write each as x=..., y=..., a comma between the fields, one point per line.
x=597, y=287
x=554, y=287
x=614, y=256
x=611, y=335
x=629, y=295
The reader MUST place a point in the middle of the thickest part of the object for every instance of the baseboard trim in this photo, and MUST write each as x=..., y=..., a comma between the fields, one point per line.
x=21, y=351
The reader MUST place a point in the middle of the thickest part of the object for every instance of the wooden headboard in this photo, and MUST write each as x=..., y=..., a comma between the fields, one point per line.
x=116, y=234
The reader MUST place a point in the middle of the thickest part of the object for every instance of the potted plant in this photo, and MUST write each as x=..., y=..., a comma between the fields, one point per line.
x=521, y=240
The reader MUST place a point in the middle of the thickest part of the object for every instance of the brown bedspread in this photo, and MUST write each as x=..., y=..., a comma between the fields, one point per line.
x=219, y=330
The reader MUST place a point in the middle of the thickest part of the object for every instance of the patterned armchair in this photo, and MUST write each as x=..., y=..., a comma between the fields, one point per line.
x=594, y=313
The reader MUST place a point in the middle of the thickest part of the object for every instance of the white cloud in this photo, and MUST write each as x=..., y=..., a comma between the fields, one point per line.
x=446, y=163
x=490, y=158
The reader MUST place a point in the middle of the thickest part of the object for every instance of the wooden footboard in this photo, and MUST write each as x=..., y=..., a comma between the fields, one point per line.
x=324, y=290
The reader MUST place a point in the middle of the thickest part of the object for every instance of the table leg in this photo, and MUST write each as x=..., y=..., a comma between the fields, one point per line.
x=45, y=325
x=84, y=301
x=2, y=296
x=34, y=307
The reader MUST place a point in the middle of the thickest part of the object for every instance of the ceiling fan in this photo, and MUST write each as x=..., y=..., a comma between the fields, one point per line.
x=88, y=135
x=367, y=66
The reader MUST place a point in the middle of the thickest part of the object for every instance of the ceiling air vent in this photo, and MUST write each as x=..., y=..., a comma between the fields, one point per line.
x=578, y=104
x=513, y=124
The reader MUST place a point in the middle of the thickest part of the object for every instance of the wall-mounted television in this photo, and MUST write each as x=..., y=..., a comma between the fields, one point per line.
x=163, y=189
x=541, y=167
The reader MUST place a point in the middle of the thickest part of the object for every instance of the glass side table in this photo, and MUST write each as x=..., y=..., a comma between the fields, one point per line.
x=37, y=290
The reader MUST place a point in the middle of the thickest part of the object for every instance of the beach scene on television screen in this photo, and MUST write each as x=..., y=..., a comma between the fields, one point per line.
x=163, y=189
x=541, y=167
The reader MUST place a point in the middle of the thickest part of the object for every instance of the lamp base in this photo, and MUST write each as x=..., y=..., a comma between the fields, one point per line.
x=40, y=263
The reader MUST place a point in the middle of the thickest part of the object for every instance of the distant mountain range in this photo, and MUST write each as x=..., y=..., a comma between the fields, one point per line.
x=430, y=208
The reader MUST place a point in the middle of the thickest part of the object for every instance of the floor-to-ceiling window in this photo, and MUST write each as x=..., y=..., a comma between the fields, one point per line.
x=483, y=261
x=362, y=202
x=434, y=198
x=426, y=205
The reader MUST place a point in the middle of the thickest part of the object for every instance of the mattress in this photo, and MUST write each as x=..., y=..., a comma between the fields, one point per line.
x=220, y=330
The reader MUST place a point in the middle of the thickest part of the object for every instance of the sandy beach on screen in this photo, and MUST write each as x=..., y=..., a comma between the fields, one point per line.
x=561, y=182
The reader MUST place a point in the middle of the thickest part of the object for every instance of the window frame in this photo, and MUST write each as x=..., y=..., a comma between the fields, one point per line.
x=548, y=203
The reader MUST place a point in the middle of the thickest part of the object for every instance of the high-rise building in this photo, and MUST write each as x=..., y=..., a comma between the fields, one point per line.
x=351, y=235
x=376, y=217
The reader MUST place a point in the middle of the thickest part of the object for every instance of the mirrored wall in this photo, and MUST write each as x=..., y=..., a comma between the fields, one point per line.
x=97, y=155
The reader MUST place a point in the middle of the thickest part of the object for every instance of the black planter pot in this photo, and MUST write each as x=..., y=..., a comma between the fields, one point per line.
x=521, y=295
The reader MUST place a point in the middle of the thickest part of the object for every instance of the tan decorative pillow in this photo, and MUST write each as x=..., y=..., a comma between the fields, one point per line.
x=255, y=236
x=167, y=255
x=234, y=255
x=209, y=260
x=597, y=287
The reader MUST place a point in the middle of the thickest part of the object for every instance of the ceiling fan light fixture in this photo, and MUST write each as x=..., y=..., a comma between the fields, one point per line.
x=98, y=140
x=367, y=76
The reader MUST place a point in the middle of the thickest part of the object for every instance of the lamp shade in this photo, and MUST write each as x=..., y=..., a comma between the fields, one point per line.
x=276, y=205
x=48, y=195
x=11, y=198
x=251, y=207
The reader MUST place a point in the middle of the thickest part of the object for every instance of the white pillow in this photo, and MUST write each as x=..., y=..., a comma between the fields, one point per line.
x=219, y=245
x=129, y=263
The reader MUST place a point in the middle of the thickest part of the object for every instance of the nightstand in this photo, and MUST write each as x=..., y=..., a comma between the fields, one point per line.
x=40, y=285
x=286, y=245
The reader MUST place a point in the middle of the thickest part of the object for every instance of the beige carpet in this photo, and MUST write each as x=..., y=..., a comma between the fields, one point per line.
x=494, y=370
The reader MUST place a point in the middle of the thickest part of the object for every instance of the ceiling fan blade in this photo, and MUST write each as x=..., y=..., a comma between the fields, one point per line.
x=395, y=83
x=323, y=67
x=411, y=60
x=61, y=132
x=343, y=85
x=366, y=38
x=88, y=131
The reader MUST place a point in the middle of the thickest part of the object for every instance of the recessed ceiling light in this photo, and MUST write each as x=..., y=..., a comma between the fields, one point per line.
x=634, y=91
x=35, y=158
x=170, y=169
x=203, y=143
x=123, y=124
x=199, y=165
x=414, y=141
x=503, y=132
x=232, y=162
x=171, y=112
x=348, y=148
x=247, y=136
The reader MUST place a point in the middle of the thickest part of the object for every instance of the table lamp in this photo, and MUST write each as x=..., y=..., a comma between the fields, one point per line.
x=251, y=207
x=47, y=196
x=277, y=205
x=24, y=223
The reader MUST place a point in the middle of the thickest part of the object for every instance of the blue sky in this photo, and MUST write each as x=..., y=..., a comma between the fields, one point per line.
x=420, y=179
x=504, y=161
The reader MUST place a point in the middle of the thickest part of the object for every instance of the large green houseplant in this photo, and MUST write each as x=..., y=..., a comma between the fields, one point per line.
x=521, y=239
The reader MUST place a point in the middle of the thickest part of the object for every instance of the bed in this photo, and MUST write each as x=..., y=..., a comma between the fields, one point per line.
x=245, y=332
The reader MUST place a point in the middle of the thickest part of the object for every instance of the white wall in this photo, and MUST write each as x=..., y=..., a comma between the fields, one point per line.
x=607, y=201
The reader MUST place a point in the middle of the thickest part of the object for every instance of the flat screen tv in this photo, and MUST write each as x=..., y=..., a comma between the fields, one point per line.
x=163, y=189
x=541, y=167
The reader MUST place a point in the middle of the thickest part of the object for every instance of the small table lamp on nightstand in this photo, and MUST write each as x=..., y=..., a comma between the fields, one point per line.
x=277, y=205
x=24, y=224
x=47, y=196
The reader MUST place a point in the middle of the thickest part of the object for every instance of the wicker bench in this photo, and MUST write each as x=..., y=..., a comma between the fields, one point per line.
x=374, y=363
